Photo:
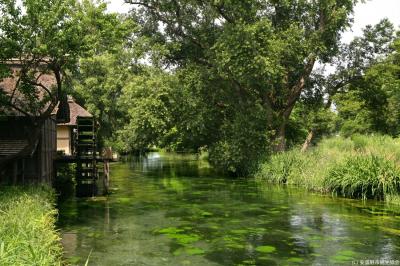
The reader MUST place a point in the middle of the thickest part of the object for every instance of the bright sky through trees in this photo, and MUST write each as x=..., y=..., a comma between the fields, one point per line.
x=370, y=12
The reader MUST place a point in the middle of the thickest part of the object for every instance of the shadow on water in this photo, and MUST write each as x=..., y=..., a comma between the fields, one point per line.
x=169, y=209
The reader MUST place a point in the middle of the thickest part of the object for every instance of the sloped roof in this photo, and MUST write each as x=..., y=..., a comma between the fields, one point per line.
x=8, y=85
x=75, y=111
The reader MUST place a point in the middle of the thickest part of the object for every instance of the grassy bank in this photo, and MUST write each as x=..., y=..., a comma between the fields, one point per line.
x=27, y=232
x=365, y=167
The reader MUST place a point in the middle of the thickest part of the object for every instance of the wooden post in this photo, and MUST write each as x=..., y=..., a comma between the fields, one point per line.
x=15, y=172
x=23, y=172
x=106, y=179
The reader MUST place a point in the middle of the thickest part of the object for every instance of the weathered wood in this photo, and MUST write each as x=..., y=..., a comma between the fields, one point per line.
x=15, y=173
x=86, y=171
x=34, y=160
x=106, y=176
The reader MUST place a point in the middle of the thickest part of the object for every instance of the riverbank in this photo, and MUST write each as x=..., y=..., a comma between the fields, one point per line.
x=366, y=167
x=27, y=227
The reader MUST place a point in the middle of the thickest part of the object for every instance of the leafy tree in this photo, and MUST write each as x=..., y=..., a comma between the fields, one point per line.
x=43, y=38
x=371, y=104
x=105, y=68
x=99, y=86
x=350, y=64
x=257, y=48
x=241, y=67
x=147, y=100
x=39, y=41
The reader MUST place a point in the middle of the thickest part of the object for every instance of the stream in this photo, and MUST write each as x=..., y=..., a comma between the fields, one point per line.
x=170, y=209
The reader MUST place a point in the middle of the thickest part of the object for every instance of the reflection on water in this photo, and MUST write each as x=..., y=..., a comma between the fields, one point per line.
x=169, y=209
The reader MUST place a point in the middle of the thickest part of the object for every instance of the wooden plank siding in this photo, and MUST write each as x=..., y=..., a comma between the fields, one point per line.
x=47, y=151
x=37, y=167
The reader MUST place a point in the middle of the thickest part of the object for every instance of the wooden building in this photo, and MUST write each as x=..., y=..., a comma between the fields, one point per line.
x=33, y=140
x=27, y=151
x=67, y=131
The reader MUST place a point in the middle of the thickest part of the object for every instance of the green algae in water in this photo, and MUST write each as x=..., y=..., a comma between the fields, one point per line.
x=170, y=230
x=233, y=242
x=343, y=256
x=195, y=251
x=205, y=213
x=192, y=220
x=189, y=251
x=295, y=260
x=179, y=235
x=240, y=231
x=266, y=249
x=184, y=239
x=391, y=230
x=124, y=200
x=74, y=260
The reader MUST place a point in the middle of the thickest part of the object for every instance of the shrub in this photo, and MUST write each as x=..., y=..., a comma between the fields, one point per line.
x=364, y=176
x=243, y=143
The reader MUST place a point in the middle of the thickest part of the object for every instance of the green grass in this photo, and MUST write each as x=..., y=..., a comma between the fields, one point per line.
x=27, y=231
x=366, y=167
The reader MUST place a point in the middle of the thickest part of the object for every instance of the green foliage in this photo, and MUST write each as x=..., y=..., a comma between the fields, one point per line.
x=148, y=102
x=64, y=183
x=283, y=167
x=45, y=37
x=351, y=63
x=364, y=177
x=99, y=87
x=243, y=142
x=360, y=167
x=235, y=55
x=27, y=231
x=370, y=103
x=50, y=37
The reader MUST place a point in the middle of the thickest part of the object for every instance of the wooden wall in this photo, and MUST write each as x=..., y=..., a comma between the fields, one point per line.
x=38, y=168
x=47, y=150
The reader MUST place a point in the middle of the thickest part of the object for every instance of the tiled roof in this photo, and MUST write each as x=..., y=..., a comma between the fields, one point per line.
x=7, y=85
x=75, y=111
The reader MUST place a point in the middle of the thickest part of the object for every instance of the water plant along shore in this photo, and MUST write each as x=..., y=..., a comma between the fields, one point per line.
x=365, y=167
x=27, y=227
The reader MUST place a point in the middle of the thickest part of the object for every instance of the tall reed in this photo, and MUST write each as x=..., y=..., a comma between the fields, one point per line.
x=27, y=231
x=356, y=167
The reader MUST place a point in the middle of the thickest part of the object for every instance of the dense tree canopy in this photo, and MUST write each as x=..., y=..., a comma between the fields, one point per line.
x=44, y=37
x=250, y=61
x=239, y=79
x=371, y=103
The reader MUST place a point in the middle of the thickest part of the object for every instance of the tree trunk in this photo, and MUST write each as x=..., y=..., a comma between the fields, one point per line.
x=307, y=143
x=280, y=139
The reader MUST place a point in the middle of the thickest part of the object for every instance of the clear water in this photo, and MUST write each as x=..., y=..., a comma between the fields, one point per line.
x=172, y=210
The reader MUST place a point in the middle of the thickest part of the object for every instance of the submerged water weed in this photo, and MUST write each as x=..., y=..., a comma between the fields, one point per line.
x=344, y=256
x=27, y=232
x=184, y=240
x=364, y=177
x=266, y=249
x=295, y=260
x=179, y=235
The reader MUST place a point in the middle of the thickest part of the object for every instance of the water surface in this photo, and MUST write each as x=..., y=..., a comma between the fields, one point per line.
x=170, y=209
